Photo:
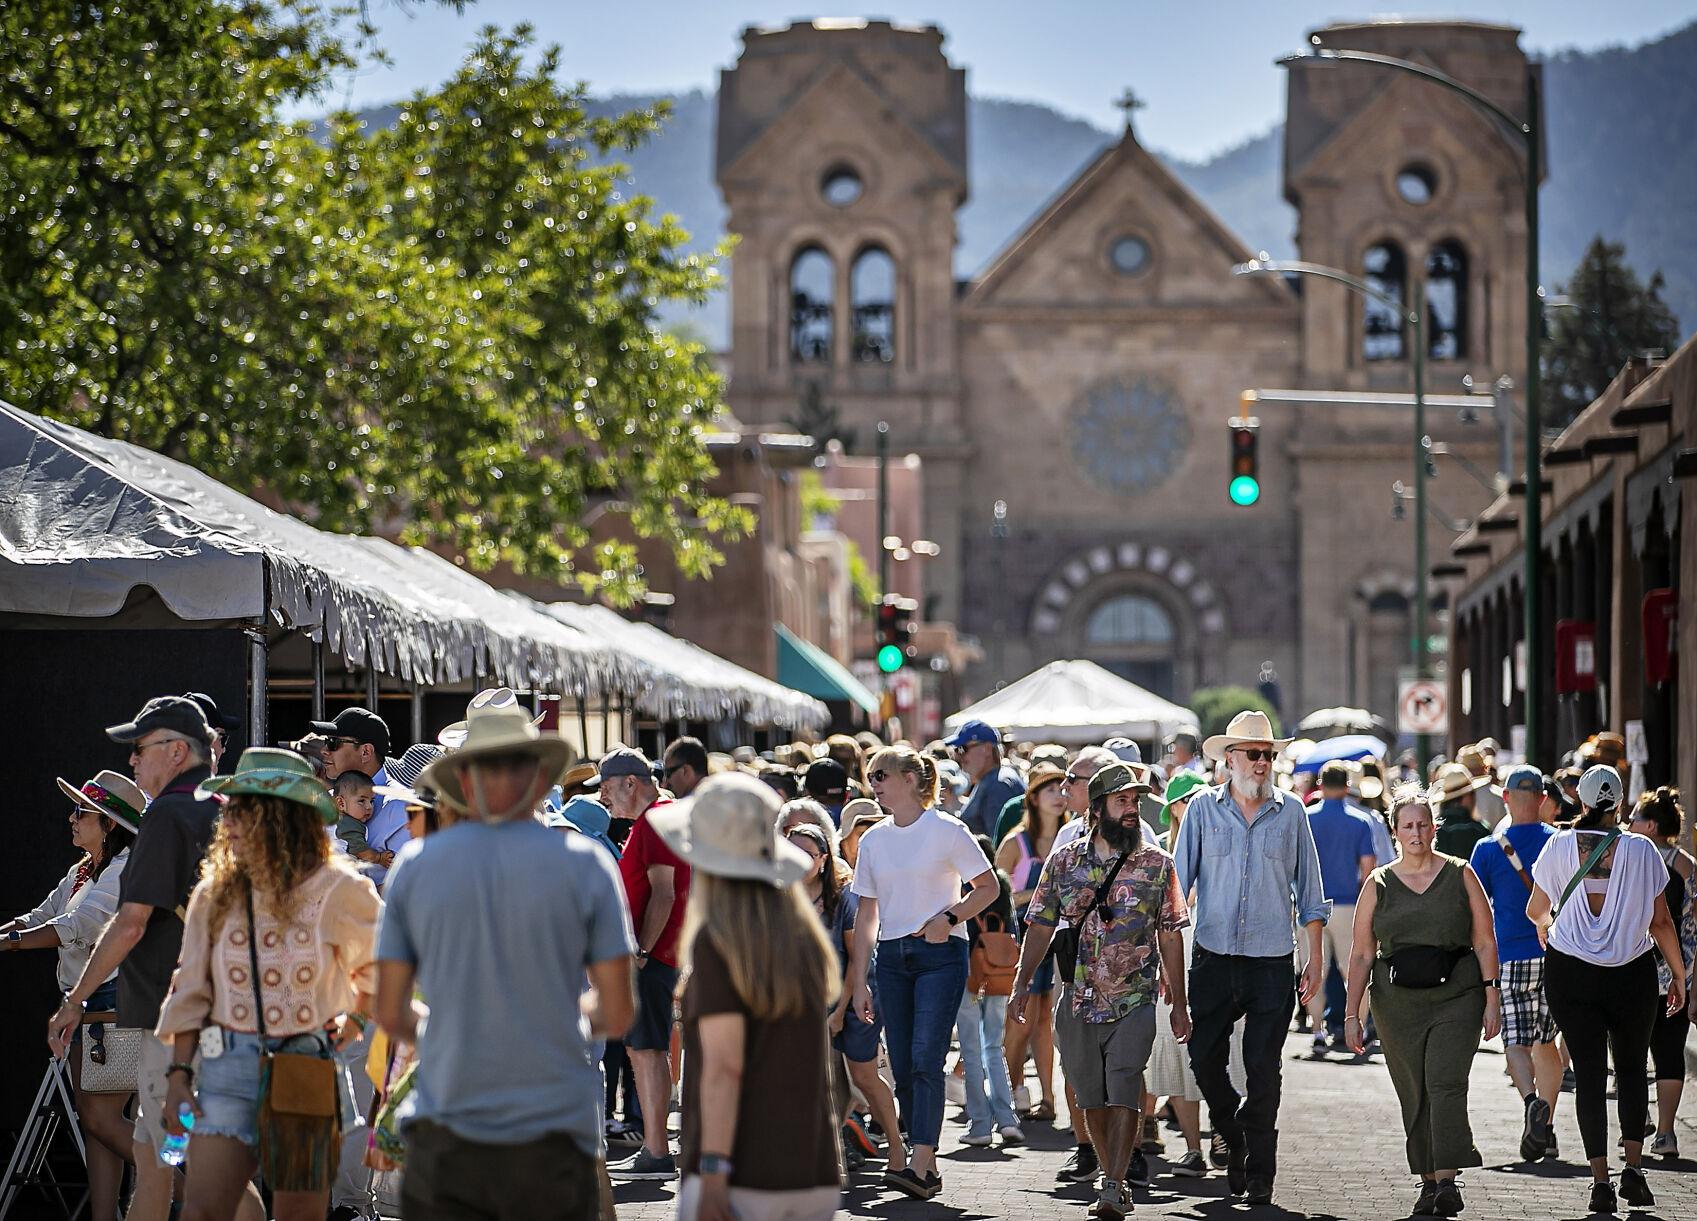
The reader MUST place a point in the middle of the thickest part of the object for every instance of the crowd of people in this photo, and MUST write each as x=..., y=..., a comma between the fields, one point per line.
x=501, y=971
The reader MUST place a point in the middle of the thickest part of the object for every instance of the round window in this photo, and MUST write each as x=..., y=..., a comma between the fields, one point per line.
x=1416, y=184
x=841, y=186
x=1129, y=255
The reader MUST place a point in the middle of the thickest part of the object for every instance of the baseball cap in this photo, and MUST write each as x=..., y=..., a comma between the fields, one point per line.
x=175, y=713
x=826, y=778
x=1524, y=778
x=359, y=724
x=214, y=718
x=624, y=761
x=1116, y=778
x=1600, y=787
x=1124, y=749
x=969, y=733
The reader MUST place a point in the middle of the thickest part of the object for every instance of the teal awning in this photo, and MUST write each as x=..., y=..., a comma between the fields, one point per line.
x=805, y=666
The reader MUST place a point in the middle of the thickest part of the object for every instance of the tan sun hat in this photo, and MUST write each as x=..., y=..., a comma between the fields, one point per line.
x=495, y=729
x=729, y=827
x=1452, y=781
x=112, y=794
x=1245, y=727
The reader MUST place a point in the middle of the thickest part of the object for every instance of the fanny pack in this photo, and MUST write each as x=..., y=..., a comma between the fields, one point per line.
x=1423, y=966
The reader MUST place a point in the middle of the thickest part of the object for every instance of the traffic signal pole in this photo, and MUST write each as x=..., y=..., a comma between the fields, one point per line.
x=883, y=507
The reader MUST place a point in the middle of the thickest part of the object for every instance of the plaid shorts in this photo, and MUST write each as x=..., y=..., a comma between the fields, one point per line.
x=1526, y=1011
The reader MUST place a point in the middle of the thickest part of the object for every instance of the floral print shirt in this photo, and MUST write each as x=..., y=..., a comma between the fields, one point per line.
x=1118, y=956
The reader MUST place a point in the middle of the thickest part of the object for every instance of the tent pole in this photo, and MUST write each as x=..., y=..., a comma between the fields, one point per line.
x=417, y=712
x=371, y=685
x=583, y=723
x=256, y=690
x=606, y=721
x=318, y=680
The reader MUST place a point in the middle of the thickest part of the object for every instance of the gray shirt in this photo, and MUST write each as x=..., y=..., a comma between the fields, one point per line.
x=501, y=921
x=1249, y=876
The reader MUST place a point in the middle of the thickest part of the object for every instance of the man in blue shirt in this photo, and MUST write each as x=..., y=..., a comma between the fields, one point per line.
x=1247, y=849
x=359, y=741
x=1343, y=837
x=1503, y=863
x=978, y=750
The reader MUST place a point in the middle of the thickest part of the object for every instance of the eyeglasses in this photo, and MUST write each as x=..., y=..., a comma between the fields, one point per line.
x=1070, y=778
x=670, y=768
x=1256, y=754
x=139, y=747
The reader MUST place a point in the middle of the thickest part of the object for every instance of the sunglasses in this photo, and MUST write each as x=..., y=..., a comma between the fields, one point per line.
x=338, y=743
x=1256, y=754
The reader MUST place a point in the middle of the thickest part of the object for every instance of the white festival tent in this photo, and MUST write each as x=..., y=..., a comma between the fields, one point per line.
x=1075, y=703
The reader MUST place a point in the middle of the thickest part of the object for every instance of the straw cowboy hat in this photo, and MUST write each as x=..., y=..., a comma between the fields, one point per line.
x=497, y=729
x=729, y=827
x=1244, y=728
x=112, y=794
x=453, y=736
x=269, y=771
x=1452, y=781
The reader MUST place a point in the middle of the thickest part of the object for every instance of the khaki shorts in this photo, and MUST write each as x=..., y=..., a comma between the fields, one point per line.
x=1104, y=1061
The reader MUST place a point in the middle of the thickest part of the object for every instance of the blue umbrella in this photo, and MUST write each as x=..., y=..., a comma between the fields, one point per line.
x=1348, y=746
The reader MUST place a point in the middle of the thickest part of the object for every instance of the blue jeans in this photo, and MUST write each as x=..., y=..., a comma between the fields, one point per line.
x=919, y=989
x=981, y=1025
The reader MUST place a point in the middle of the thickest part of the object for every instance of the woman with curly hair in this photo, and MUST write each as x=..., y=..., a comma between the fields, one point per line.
x=276, y=958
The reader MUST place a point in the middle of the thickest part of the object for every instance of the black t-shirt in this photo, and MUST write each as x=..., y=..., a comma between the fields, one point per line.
x=786, y=1137
x=163, y=867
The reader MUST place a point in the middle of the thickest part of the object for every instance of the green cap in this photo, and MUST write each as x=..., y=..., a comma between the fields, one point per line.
x=1179, y=787
x=1117, y=778
x=265, y=771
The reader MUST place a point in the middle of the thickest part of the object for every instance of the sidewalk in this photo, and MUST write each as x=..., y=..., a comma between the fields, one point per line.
x=1341, y=1157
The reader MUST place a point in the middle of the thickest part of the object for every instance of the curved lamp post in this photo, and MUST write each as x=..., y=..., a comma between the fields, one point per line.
x=1422, y=443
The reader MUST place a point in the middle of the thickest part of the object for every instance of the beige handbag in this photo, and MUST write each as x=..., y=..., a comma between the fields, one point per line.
x=110, y=1055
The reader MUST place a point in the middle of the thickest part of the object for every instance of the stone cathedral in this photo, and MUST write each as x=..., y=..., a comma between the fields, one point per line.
x=1083, y=379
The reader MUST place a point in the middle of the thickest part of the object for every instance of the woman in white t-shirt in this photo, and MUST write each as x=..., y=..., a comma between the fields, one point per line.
x=910, y=874
x=1598, y=919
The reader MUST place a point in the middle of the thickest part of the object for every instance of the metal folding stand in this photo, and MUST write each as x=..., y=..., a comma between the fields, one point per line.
x=53, y=1105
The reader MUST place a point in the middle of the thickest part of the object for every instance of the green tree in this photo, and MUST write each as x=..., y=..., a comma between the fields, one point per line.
x=1610, y=317
x=444, y=329
x=1216, y=706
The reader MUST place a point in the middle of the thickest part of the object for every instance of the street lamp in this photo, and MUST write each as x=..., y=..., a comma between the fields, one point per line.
x=1529, y=132
x=1264, y=266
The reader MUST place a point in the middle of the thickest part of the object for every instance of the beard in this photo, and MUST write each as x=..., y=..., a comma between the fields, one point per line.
x=1255, y=790
x=1119, y=836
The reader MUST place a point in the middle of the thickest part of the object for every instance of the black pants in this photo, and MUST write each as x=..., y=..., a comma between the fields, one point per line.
x=1222, y=989
x=449, y=1178
x=1667, y=1042
x=1604, y=1011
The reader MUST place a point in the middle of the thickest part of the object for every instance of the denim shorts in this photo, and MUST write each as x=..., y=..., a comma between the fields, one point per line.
x=858, y=1040
x=104, y=1000
x=228, y=1091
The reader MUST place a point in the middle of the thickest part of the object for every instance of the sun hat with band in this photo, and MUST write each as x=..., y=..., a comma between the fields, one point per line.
x=728, y=827
x=1452, y=782
x=1245, y=728
x=267, y=771
x=113, y=794
x=497, y=729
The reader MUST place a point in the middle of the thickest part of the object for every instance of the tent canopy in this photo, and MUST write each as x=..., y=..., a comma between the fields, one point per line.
x=1075, y=703
x=807, y=667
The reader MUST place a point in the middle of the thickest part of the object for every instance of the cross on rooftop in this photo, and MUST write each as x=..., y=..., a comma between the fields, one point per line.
x=1129, y=102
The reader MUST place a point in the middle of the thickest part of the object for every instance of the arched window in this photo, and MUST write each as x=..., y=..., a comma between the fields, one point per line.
x=1446, y=301
x=1129, y=620
x=1386, y=270
x=813, y=287
x=872, y=304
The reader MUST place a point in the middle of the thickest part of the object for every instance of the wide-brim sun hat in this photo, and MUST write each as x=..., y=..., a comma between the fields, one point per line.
x=1042, y=775
x=1454, y=781
x=728, y=827
x=453, y=736
x=498, y=730
x=1243, y=729
x=269, y=771
x=110, y=793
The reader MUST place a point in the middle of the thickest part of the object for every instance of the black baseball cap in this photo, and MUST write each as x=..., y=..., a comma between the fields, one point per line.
x=176, y=713
x=359, y=724
x=623, y=761
x=826, y=778
x=214, y=718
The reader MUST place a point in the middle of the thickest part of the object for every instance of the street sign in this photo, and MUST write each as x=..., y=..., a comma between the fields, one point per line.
x=1423, y=707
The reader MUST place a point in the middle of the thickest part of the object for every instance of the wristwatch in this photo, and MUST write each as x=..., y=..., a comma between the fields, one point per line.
x=1494, y=983
x=949, y=915
x=14, y=937
x=714, y=1163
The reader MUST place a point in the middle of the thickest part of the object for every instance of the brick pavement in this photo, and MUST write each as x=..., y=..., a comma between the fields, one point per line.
x=1341, y=1157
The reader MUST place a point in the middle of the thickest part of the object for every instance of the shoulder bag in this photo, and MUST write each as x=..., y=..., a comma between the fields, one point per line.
x=300, y=1122
x=1585, y=867
x=994, y=959
x=1064, y=945
x=1513, y=859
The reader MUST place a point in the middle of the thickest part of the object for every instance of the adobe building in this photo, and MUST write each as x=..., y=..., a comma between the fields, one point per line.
x=1082, y=380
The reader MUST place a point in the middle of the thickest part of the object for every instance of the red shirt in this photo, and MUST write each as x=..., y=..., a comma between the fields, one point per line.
x=642, y=849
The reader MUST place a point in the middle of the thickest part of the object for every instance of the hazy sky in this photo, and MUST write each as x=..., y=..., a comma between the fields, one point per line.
x=1204, y=67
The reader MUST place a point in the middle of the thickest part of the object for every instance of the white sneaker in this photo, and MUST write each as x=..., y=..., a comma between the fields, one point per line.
x=954, y=1089
x=1013, y=1134
x=1665, y=1144
x=1021, y=1100
x=975, y=1141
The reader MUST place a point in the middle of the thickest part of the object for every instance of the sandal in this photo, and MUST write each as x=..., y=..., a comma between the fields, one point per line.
x=1043, y=1112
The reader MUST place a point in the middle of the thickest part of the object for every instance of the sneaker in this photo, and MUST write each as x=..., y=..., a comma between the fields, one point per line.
x=909, y=1183
x=1217, y=1151
x=1448, y=1202
x=645, y=1167
x=1535, y=1135
x=1152, y=1142
x=933, y=1184
x=853, y=1159
x=1012, y=1134
x=954, y=1090
x=1634, y=1189
x=1260, y=1190
x=1427, y=1204
x=1191, y=1166
x=855, y=1133
x=1567, y=1082
x=1138, y=1173
x=1551, y=1149
x=1603, y=1198
x=1111, y=1202
x=1665, y=1144
x=1021, y=1099
x=1318, y=1047
x=1237, y=1169
x=977, y=1140
x=1082, y=1166
x=625, y=1134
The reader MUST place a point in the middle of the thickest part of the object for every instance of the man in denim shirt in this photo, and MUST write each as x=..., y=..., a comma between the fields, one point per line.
x=1247, y=849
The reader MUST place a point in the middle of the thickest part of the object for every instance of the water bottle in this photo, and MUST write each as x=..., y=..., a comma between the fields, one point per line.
x=176, y=1148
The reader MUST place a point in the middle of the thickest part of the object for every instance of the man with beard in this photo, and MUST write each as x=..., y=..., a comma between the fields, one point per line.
x=1122, y=895
x=1248, y=851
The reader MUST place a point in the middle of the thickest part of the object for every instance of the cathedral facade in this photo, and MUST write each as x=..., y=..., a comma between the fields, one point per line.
x=1070, y=400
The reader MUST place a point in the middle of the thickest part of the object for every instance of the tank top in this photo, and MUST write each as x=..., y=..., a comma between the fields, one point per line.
x=1029, y=865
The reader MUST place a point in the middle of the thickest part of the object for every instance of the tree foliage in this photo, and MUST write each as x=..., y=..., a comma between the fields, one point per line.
x=1610, y=317
x=1216, y=706
x=443, y=329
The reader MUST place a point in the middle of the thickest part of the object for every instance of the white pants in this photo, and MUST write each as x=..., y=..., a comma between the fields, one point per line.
x=1337, y=937
x=808, y=1204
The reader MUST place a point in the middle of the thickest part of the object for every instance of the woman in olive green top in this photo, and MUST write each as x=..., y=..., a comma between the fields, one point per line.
x=1423, y=931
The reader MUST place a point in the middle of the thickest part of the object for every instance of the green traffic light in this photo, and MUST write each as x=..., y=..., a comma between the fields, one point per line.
x=1244, y=490
x=890, y=658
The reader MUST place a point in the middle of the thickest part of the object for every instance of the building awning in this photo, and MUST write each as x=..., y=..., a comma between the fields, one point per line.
x=807, y=667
